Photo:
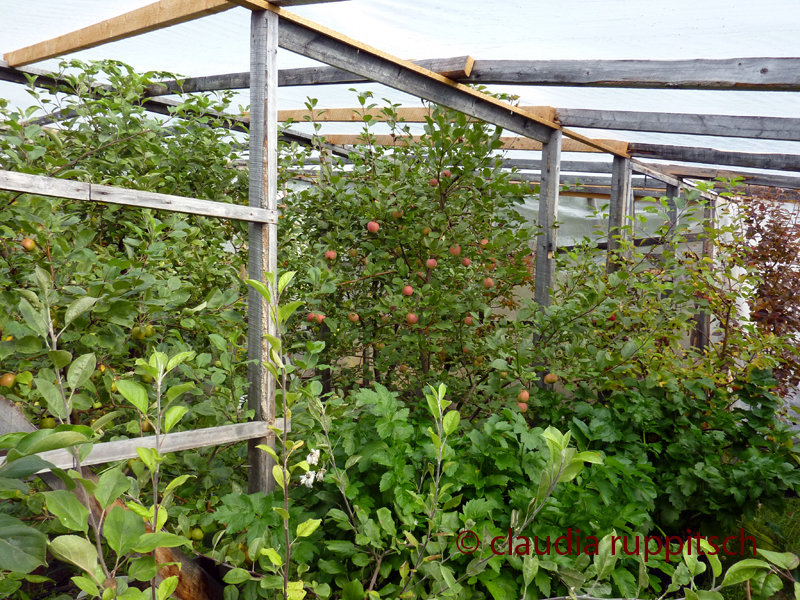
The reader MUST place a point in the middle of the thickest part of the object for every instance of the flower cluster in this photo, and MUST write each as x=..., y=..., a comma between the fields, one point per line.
x=308, y=478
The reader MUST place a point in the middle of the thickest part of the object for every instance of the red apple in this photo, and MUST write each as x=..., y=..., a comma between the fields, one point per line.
x=397, y=214
x=465, y=261
x=353, y=317
x=484, y=241
x=455, y=250
x=28, y=244
x=310, y=317
x=550, y=378
x=373, y=227
x=319, y=318
x=408, y=290
x=446, y=173
x=522, y=406
x=468, y=321
x=411, y=318
x=331, y=255
x=431, y=263
x=488, y=283
x=612, y=318
x=523, y=396
x=434, y=182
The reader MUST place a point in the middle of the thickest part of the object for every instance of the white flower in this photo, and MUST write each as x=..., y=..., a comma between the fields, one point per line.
x=320, y=474
x=308, y=479
x=313, y=458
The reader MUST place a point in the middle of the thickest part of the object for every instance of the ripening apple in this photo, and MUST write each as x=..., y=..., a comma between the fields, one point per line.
x=484, y=241
x=522, y=406
x=523, y=396
x=397, y=214
x=455, y=250
x=431, y=263
x=468, y=321
x=550, y=378
x=28, y=244
x=311, y=316
x=319, y=318
x=465, y=261
x=353, y=252
x=353, y=317
x=373, y=227
x=446, y=173
x=612, y=318
x=408, y=290
x=411, y=318
x=488, y=282
x=8, y=380
x=331, y=255
x=426, y=230
x=433, y=182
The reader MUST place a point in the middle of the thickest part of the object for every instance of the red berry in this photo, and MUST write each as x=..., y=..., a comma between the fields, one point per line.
x=468, y=321
x=612, y=318
x=455, y=250
x=411, y=318
x=408, y=290
x=431, y=263
x=488, y=283
x=466, y=262
x=373, y=227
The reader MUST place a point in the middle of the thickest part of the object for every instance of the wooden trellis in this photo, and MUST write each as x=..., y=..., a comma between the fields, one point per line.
x=441, y=81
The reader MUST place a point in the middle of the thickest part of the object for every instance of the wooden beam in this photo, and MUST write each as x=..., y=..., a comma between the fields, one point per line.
x=74, y=190
x=762, y=74
x=262, y=240
x=172, y=442
x=621, y=196
x=638, y=242
x=777, y=162
x=454, y=68
x=509, y=143
x=547, y=241
x=158, y=15
x=763, y=128
x=416, y=114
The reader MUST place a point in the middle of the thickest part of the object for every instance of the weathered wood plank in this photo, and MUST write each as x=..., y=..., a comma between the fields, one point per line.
x=621, y=196
x=567, y=166
x=456, y=67
x=158, y=15
x=172, y=442
x=711, y=156
x=638, y=242
x=75, y=190
x=415, y=114
x=509, y=143
x=547, y=242
x=764, y=128
x=763, y=74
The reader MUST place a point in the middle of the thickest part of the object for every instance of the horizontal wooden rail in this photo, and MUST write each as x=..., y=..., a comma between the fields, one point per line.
x=711, y=156
x=75, y=190
x=638, y=242
x=172, y=442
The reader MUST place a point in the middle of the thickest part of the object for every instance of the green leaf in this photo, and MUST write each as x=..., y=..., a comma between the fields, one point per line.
x=743, y=570
x=52, y=396
x=590, y=457
x=277, y=473
x=148, y=456
x=44, y=440
x=451, y=421
x=236, y=576
x=60, y=358
x=167, y=587
x=173, y=416
x=122, y=530
x=625, y=581
x=22, y=548
x=285, y=312
x=77, y=308
x=308, y=527
x=178, y=481
x=69, y=510
x=285, y=280
x=86, y=585
x=177, y=390
x=178, y=359
x=134, y=393
x=161, y=539
x=629, y=349
x=785, y=560
x=261, y=289
x=81, y=370
x=44, y=279
x=143, y=568
x=75, y=550
x=110, y=486
x=605, y=559
x=273, y=555
x=530, y=566
x=386, y=521
x=33, y=319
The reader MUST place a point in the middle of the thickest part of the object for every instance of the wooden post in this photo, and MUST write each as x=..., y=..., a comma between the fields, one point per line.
x=262, y=239
x=702, y=333
x=673, y=191
x=621, y=200
x=548, y=213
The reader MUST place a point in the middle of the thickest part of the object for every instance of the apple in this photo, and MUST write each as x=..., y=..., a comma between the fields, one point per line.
x=353, y=252
x=373, y=227
x=47, y=423
x=431, y=263
x=380, y=346
x=612, y=318
x=137, y=333
x=149, y=331
x=466, y=262
x=397, y=214
x=7, y=380
x=311, y=316
x=550, y=378
x=492, y=264
x=353, y=317
x=503, y=374
x=522, y=406
x=484, y=241
x=523, y=396
x=408, y=290
x=455, y=250
x=331, y=255
x=426, y=230
x=446, y=173
x=319, y=318
x=468, y=321
x=434, y=182
x=97, y=405
x=411, y=318
x=28, y=244
x=488, y=282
